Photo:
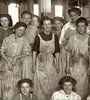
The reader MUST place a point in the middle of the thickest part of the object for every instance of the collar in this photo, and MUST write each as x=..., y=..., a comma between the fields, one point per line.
x=12, y=37
x=62, y=92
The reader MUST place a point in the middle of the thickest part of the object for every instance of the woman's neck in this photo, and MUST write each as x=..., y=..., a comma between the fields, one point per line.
x=5, y=28
x=47, y=33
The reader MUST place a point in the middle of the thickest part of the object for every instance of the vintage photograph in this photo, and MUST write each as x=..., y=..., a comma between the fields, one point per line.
x=44, y=49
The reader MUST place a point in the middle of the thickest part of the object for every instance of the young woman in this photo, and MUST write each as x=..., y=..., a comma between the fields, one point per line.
x=15, y=51
x=32, y=30
x=78, y=57
x=25, y=87
x=6, y=25
x=67, y=85
x=45, y=49
x=68, y=30
x=58, y=25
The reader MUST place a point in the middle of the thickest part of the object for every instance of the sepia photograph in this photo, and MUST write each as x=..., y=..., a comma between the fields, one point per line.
x=44, y=49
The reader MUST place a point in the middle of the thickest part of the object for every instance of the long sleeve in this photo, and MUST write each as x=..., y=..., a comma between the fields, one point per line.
x=36, y=44
x=65, y=27
x=57, y=47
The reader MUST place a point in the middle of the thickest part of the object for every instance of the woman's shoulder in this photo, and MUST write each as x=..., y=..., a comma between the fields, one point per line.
x=88, y=98
x=58, y=92
x=76, y=95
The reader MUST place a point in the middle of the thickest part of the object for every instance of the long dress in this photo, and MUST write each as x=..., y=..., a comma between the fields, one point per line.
x=46, y=78
x=13, y=47
x=3, y=34
x=79, y=62
x=67, y=31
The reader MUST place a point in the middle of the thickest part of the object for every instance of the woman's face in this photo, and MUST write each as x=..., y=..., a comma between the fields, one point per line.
x=67, y=87
x=25, y=89
x=4, y=22
x=20, y=31
x=26, y=19
x=35, y=21
x=47, y=25
x=74, y=16
x=81, y=28
x=58, y=25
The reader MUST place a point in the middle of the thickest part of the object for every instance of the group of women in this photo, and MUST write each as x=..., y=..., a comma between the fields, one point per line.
x=44, y=51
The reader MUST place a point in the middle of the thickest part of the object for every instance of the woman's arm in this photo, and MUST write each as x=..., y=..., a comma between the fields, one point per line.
x=34, y=61
x=67, y=63
x=10, y=67
x=57, y=62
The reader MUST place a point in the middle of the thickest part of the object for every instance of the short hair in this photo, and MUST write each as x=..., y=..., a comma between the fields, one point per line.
x=76, y=10
x=25, y=80
x=36, y=17
x=60, y=19
x=8, y=17
x=67, y=79
x=20, y=24
x=46, y=18
x=26, y=12
x=82, y=19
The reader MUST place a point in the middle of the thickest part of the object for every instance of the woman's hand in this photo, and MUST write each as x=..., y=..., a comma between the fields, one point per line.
x=67, y=71
x=88, y=72
x=10, y=66
x=14, y=61
x=57, y=69
x=33, y=68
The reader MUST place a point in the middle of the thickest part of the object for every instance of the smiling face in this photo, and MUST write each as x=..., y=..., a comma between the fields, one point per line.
x=81, y=28
x=25, y=89
x=67, y=87
x=47, y=25
x=4, y=22
x=20, y=31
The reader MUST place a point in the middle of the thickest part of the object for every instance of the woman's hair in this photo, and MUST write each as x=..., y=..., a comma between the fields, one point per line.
x=45, y=18
x=20, y=24
x=25, y=80
x=8, y=17
x=60, y=19
x=67, y=79
x=82, y=19
x=76, y=10
x=25, y=12
x=36, y=17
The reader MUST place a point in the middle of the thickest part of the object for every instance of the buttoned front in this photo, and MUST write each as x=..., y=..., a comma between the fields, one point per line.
x=61, y=95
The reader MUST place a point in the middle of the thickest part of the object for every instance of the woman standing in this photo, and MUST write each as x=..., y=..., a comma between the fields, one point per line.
x=58, y=25
x=15, y=52
x=68, y=30
x=6, y=25
x=77, y=57
x=45, y=49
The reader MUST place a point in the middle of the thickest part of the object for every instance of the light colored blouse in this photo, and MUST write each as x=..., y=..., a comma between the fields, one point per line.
x=61, y=95
x=88, y=98
x=64, y=29
x=13, y=47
